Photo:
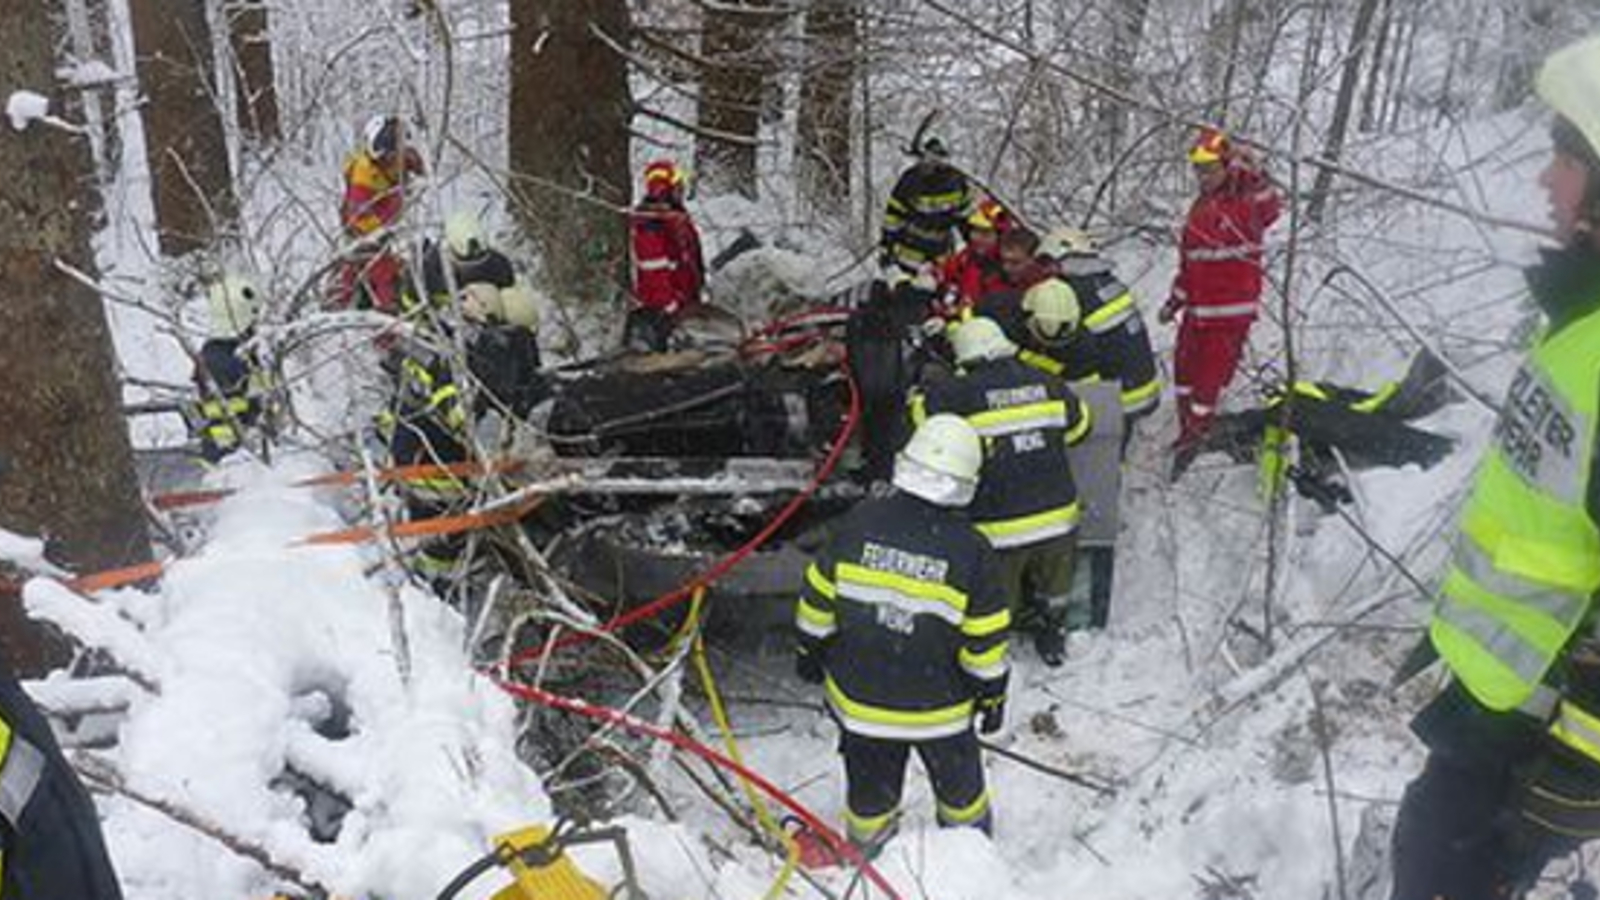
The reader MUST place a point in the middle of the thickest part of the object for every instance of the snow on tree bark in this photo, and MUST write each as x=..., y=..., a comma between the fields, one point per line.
x=249, y=38
x=66, y=467
x=184, y=138
x=569, y=115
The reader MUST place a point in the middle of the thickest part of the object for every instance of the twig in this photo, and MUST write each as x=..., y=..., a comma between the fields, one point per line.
x=1083, y=781
x=102, y=773
x=1324, y=738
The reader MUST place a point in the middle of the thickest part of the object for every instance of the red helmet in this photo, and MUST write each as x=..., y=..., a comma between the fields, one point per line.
x=662, y=174
x=989, y=215
x=1211, y=147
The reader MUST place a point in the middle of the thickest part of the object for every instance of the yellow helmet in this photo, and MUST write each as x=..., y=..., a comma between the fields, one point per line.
x=1053, y=309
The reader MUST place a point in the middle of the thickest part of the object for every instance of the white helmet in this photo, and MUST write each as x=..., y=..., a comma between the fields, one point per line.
x=1062, y=242
x=380, y=135
x=941, y=462
x=1053, y=309
x=234, y=304
x=518, y=305
x=980, y=338
x=1569, y=82
x=463, y=234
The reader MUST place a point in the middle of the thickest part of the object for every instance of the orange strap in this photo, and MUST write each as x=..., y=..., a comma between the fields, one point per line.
x=418, y=472
x=439, y=525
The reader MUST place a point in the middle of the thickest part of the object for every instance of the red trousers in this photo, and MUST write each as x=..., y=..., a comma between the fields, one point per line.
x=370, y=282
x=1203, y=364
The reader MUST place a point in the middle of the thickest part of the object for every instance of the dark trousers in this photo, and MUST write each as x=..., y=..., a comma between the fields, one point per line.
x=1462, y=833
x=1038, y=581
x=875, y=771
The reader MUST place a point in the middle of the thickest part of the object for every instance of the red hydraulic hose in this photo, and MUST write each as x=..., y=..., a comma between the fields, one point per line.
x=723, y=565
x=839, y=845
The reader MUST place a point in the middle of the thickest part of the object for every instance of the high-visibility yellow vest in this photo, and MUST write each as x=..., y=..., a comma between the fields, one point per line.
x=1527, y=559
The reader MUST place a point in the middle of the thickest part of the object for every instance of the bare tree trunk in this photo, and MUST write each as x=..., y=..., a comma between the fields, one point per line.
x=569, y=116
x=1237, y=11
x=1127, y=33
x=1349, y=77
x=184, y=141
x=66, y=469
x=1378, y=68
x=256, y=94
x=732, y=86
x=822, y=132
x=1400, y=79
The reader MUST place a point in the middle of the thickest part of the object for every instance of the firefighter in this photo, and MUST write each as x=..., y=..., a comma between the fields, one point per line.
x=1217, y=291
x=376, y=181
x=926, y=208
x=1028, y=504
x=426, y=424
x=1512, y=777
x=50, y=841
x=903, y=621
x=231, y=383
x=498, y=309
x=1111, y=335
x=975, y=269
x=668, y=265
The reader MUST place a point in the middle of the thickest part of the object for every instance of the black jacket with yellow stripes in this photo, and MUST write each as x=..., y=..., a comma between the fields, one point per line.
x=1028, y=418
x=930, y=201
x=1112, y=342
x=906, y=609
x=50, y=841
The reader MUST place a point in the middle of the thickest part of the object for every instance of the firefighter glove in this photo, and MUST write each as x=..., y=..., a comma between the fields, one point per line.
x=991, y=713
x=808, y=665
x=1169, y=310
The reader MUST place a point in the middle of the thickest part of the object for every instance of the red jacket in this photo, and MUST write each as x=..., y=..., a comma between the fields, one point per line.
x=668, y=269
x=967, y=275
x=374, y=193
x=1219, y=267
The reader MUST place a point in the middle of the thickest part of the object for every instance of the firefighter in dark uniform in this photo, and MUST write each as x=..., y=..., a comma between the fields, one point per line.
x=50, y=842
x=229, y=379
x=426, y=424
x=498, y=309
x=1027, y=505
x=926, y=209
x=903, y=621
x=1111, y=336
x=1513, y=772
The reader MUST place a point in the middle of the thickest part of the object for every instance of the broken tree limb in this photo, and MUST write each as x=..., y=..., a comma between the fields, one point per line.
x=103, y=774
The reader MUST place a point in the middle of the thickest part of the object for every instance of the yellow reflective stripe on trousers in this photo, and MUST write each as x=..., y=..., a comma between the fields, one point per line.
x=1578, y=729
x=21, y=767
x=1114, y=313
x=877, y=588
x=895, y=724
x=1026, y=417
x=964, y=815
x=864, y=829
x=1138, y=399
x=1032, y=529
x=988, y=665
x=1373, y=403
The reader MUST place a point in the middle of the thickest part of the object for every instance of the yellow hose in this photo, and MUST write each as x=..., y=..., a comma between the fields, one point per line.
x=719, y=714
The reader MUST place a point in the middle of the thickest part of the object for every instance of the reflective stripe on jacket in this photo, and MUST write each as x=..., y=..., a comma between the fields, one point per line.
x=906, y=608
x=1028, y=419
x=928, y=204
x=1220, y=255
x=668, y=267
x=1527, y=561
